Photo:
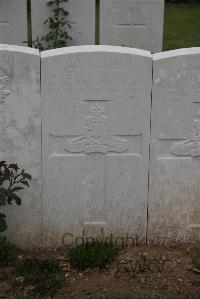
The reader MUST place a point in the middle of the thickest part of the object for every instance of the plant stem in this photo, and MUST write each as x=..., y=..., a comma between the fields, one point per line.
x=15, y=181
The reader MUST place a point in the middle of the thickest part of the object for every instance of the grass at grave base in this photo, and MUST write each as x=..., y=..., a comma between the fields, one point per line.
x=181, y=26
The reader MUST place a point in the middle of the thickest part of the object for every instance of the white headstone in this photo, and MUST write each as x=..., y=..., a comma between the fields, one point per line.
x=20, y=137
x=13, y=22
x=96, y=116
x=132, y=23
x=174, y=203
x=81, y=17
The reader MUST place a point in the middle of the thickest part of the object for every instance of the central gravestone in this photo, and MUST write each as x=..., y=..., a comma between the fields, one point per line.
x=96, y=119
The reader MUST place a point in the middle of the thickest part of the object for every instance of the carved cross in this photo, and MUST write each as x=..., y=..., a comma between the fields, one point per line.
x=131, y=21
x=133, y=26
x=97, y=145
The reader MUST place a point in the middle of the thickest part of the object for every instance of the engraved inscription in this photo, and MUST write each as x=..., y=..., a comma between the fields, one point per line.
x=97, y=137
x=4, y=92
x=189, y=147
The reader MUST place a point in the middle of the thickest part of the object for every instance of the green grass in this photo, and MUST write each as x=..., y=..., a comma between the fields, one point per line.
x=181, y=26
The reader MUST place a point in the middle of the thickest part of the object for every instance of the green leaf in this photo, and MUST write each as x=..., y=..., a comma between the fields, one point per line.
x=13, y=166
x=25, y=183
x=50, y=3
x=63, y=23
x=7, y=174
x=65, y=13
x=14, y=197
x=52, y=26
x=51, y=20
x=16, y=189
x=27, y=176
x=46, y=21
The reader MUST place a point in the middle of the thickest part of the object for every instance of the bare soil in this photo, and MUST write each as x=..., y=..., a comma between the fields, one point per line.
x=153, y=271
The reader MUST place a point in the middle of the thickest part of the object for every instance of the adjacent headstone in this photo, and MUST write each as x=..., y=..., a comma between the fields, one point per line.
x=96, y=119
x=20, y=137
x=174, y=203
x=132, y=23
x=13, y=22
x=81, y=18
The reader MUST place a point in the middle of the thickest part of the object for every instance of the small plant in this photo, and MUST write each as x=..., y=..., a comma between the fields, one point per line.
x=57, y=37
x=7, y=252
x=11, y=181
x=91, y=255
x=49, y=284
x=45, y=275
x=29, y=267
x=34, y=266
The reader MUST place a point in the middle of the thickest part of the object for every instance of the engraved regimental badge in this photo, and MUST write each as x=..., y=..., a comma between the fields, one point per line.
x=97, y=137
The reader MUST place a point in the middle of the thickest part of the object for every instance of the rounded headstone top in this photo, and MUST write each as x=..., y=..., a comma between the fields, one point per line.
x=93, y=49
x=177, y=52
x=14, y=48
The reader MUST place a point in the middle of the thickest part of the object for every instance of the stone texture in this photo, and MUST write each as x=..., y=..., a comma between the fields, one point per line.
x=81, y=17
x=13, y=22
x=132, y=23
x=174, y=203
x=96, y=120
x=20, y=137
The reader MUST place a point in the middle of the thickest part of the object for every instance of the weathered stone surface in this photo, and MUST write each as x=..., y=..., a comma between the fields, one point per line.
x=96, y=119
x=20, y=137
x=132, y=23
x=13, y=22
x=81, y=17
x=174, y=203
